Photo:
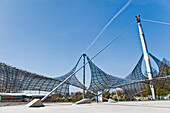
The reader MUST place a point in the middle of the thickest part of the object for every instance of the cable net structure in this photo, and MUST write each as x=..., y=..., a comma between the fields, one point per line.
x=133, y=84
x=73, y=80
x=14, y=79
x=101, y=81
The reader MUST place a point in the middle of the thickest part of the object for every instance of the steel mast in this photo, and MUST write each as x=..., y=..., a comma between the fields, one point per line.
x=84, y=74
x=145, y=53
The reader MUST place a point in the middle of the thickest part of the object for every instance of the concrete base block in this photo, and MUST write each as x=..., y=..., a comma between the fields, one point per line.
x=83, y=101
x=35, y=103
x=111, y=101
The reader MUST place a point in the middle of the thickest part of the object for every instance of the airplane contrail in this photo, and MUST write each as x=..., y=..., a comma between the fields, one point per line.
x=123, y=8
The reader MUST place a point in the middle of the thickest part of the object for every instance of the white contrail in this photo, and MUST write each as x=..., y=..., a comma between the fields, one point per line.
x=123, y=8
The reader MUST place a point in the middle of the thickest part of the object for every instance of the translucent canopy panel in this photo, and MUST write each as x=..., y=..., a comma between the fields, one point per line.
x=137, y=74
x=131, y=84
x=73, y=80
x=160, y=82
x=13, y=79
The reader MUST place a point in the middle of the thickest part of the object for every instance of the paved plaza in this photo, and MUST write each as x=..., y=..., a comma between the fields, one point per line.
x=120, y=107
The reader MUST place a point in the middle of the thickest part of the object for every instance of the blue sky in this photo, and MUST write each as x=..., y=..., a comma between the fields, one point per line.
x=48, y=36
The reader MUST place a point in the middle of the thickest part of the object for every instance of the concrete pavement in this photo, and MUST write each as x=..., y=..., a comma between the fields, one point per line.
x=120, y=107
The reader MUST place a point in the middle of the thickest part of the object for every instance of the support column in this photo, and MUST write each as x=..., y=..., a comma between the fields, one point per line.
x=145, y=53
x=84, y=74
